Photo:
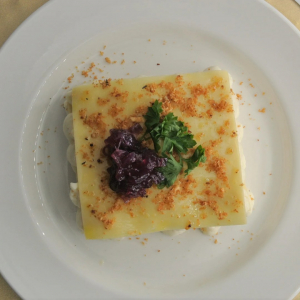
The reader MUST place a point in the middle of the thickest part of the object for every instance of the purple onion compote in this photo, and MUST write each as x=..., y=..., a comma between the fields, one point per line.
x=133, y=167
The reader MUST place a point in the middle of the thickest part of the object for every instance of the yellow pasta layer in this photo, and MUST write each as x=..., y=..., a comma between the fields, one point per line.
x=212, y=195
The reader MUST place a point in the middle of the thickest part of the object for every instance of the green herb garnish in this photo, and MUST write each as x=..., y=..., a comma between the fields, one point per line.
x=170, y=171
x=171, y=135
x=195, y=159
x=153, y=116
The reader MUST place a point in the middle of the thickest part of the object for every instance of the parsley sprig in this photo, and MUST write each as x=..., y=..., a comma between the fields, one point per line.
x=169, y=136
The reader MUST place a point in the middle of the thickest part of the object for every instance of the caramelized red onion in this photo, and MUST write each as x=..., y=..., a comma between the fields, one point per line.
x=133, y=167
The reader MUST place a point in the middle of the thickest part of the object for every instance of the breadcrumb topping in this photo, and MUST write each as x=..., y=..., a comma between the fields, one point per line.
x=263, y=110
x=115, y=110
x=96, y=123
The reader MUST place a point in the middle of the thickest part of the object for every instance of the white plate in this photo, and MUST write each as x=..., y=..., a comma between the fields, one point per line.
x=43, y=253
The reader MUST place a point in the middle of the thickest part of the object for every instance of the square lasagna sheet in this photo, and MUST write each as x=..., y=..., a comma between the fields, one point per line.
x=212, y=195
